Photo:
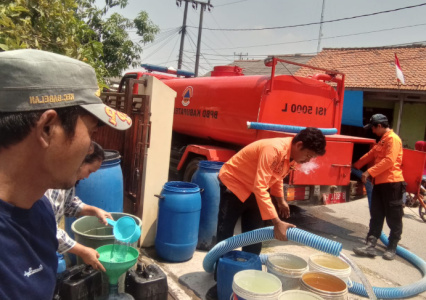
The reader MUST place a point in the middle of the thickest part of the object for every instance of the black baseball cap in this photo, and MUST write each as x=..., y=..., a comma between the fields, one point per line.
x=36, y=80
x=376, y=119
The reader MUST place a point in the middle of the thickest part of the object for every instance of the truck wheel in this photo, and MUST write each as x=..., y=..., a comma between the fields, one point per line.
x=191, y=167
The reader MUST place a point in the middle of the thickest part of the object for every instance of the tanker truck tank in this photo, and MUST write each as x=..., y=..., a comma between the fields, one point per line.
x=218, y=108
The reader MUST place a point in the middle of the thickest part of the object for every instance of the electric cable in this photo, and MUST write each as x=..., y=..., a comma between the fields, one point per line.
x=317, y=23
x=325, y=38
x=158, y=48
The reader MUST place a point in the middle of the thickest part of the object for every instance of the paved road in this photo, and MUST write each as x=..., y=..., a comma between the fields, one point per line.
x=345, y=223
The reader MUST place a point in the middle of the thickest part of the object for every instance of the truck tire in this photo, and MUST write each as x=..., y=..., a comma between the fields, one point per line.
x=191, y=167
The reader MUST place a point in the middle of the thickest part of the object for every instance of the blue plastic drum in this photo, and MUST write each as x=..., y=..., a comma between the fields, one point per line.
x=104, y=188
x=178, y=221
x=230, y=264
x=206, y=178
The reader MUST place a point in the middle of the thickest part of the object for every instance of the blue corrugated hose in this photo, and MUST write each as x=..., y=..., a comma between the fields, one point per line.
x=286, y=128
x=325, y=245
x=266, y=234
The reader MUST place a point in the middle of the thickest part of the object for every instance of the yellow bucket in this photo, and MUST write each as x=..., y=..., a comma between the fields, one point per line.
x=331, y=265
x=325, y=285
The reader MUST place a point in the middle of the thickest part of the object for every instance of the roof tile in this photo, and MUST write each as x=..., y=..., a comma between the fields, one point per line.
x=374, y=67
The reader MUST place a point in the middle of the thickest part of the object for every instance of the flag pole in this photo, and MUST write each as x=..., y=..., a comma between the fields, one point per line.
x=399, y=80
x=401, y=103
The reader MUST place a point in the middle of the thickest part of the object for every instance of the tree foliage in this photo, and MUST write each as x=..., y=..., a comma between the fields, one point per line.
x=76, y=28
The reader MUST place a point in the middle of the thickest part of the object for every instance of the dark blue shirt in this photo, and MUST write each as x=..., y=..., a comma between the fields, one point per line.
x=28, y=246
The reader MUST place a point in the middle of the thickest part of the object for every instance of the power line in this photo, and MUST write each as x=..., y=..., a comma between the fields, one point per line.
x=190, y=39
x=172, y=49
x=316, y=23
x=159, y=40
x=203, y=54
x=324, y=38
x=158, y=48
x=353, y=50
x=230, y=3
x=225, y=35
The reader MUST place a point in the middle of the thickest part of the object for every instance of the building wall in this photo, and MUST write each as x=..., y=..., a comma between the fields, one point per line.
x=413, y=123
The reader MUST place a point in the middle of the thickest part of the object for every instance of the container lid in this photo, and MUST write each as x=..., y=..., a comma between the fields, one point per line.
x=256, y=282
x=181, y=187
x=111, y=155
x=207, y=164
x=287, y=264
x=329, y=262
x=324, y=282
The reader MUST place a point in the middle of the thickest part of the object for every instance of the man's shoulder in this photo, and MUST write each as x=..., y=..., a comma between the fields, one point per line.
x=276, y=142
x=59, y=194
x=392, y=137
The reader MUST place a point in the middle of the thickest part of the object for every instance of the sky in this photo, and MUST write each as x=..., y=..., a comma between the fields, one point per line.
x=221, y=46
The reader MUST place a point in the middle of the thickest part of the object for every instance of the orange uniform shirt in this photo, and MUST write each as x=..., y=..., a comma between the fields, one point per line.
x=260, y=166
x=387, y=158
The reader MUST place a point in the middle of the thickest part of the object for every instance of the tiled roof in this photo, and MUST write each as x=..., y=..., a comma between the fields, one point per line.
x=257, y=67
x=374, y=68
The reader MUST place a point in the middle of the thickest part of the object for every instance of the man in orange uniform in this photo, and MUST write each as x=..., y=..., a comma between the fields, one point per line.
x=254, y=175
x=253, y=178
x=386, y=200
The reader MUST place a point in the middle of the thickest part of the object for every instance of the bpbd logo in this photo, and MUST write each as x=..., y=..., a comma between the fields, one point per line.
x=187, y=95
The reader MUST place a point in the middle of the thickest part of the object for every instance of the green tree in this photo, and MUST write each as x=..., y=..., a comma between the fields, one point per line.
x=119, y=51
x=76, y=28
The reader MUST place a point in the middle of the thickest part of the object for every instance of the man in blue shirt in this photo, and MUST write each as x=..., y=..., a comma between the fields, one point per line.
x=48, y=111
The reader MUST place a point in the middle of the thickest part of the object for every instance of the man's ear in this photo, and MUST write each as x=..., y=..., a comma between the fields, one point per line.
x=299, y=145
x=44, y=127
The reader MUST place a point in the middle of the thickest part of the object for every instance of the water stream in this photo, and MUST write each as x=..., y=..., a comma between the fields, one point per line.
x=364, y=280
x=119, y=251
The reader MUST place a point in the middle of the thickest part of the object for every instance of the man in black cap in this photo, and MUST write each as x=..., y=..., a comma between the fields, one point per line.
x=49, y=107
x=386, y=174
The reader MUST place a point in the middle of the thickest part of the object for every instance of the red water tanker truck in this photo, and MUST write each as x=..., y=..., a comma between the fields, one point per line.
x=211, y=115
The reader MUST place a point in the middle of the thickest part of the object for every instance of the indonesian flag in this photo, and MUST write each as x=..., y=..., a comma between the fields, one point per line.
x=399, y=75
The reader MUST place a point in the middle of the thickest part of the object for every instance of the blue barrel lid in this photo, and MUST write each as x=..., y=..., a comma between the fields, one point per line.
x=208, y=164
x=181, y=187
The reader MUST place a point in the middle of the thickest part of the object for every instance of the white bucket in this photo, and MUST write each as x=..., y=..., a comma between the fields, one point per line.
x=332, y=265
x=328, y=286
x=298, y=295
x=288, y=268
x=255, y=285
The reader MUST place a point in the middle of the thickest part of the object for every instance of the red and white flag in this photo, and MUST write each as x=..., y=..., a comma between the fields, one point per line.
x=399, y=75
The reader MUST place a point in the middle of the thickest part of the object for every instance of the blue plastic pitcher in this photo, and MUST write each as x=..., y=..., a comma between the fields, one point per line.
x=125, y=229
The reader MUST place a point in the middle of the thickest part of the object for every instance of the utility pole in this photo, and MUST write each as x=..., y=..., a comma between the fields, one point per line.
x=240, y=55
x=195, y=3
x=320, y=30
x=182, y=38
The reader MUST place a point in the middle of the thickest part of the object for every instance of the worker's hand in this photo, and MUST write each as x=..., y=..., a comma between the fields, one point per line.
x=90, y=257
x=102, y=215
x=280, y=229
x=283, y=208
x=365, y=176
x=89, y=210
